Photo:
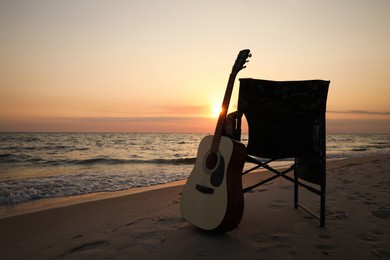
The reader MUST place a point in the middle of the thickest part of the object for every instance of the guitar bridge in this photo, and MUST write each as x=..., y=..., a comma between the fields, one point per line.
x=204, y=189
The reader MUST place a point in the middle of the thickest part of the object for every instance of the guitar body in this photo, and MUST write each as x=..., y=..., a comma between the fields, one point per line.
x=212, y=199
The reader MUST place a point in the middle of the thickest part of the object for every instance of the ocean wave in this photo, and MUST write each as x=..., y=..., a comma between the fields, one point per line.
x=17, y=191
x=359, y=149
x=113, y=161
x=26, y=159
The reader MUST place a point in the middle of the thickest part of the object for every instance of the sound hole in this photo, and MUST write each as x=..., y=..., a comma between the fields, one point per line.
x=211, y=160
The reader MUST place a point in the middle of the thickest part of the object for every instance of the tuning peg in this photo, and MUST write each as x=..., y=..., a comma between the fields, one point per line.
x=250, y=55
x=243, y=67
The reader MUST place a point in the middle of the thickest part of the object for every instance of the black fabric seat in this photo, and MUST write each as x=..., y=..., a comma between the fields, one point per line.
x=286, y=119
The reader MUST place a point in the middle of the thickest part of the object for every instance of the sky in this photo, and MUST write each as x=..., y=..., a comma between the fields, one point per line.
x=163, y=66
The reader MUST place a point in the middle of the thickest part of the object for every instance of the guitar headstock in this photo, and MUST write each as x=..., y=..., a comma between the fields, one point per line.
x=241, y=60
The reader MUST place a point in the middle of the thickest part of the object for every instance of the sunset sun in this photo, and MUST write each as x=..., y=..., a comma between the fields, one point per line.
x=215, y=110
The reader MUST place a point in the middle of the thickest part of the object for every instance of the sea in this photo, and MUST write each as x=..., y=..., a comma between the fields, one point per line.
x=35, y=166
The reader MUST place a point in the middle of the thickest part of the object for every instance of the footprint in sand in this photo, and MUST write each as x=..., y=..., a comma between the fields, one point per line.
x=369, y=236
x=381, y=253
x=326, y=249
x=382, y=212
x=287, y=186
x=87, y=247
x=168, y=221
x=369, y=202
x=277, y=204
x=374, y=237
x=336, y=215
x=359, y=196
x=347, y=181
x=257, y=190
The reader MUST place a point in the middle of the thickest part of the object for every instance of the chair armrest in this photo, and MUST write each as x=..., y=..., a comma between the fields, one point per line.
x=233, y=125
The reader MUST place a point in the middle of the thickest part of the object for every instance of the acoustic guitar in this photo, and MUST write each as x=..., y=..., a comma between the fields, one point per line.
x=212, y=198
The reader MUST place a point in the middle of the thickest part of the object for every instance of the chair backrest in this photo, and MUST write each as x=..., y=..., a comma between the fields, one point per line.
x=285, y=118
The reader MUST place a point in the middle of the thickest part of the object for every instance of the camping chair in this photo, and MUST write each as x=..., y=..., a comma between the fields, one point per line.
x=286, y=119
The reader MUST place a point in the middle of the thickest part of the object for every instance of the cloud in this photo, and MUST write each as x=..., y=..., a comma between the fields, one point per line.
x=359, y=112
x=194, y=110
x=143, y=119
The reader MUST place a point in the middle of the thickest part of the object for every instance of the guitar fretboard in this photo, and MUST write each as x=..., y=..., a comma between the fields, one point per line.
x=222, y=116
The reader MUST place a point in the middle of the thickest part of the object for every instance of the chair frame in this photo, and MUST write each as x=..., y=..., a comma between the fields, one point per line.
x=233, y=130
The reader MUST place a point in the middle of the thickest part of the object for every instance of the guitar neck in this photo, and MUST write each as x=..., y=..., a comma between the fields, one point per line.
x=238, y=65
x=222, y=116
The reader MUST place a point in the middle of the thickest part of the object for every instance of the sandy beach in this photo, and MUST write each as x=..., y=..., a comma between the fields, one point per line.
x=147, y=224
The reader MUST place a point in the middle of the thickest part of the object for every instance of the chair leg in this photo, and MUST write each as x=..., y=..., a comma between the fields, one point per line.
x=322, y=213
x=295, y=191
